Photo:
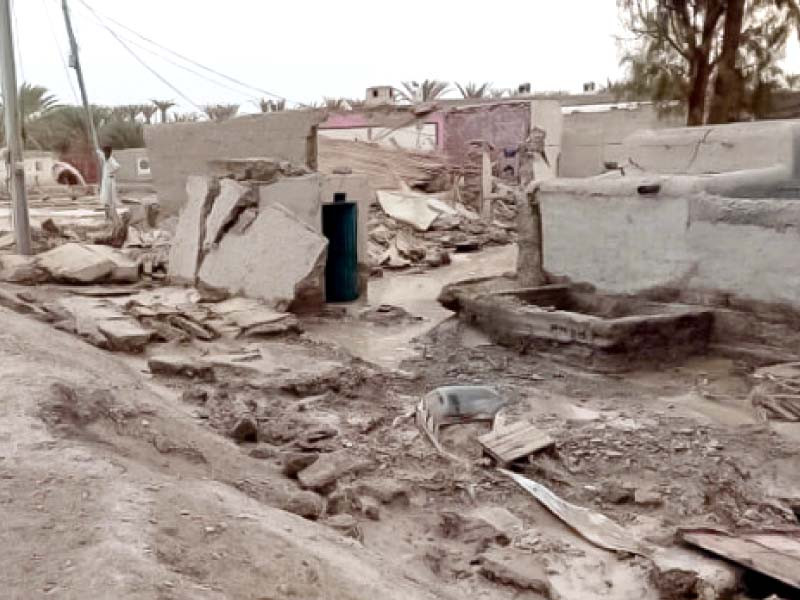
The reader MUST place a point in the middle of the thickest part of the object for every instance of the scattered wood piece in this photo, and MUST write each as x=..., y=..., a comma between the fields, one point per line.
x=595, y=527
x=507, y=444
x=775, y=553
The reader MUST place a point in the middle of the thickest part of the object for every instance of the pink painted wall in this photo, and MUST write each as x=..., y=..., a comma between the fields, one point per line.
x=503, y=124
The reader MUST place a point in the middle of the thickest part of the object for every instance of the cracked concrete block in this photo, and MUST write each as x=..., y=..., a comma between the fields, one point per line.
x=124, y=269
x=299, y=195
x=15, y=268
x=187, y=243
x=278, y=259
x=125, y=335
x=75, y=263
x=232, y=199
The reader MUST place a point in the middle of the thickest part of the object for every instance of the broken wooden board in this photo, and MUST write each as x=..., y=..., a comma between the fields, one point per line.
x=778, y=394
x=593, y=526
x=507, y=444
x=775, y=553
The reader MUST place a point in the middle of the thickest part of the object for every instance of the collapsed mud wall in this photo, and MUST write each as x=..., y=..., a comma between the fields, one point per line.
x=179, y=150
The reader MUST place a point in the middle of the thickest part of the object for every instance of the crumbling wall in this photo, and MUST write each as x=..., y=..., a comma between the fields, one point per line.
x=304, y=197
x=179, y=150
x=546, y=115
x=502, y=125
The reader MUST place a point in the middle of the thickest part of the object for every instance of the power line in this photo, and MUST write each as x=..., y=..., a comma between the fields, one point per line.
x=60, y=52
x=184, y=67
x=185, y=58
x=142, y=62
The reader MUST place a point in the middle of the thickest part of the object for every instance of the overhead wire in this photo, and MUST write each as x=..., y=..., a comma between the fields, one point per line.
x=60, y=53
x=238, y=82
x=138, y=59
x=185, y=68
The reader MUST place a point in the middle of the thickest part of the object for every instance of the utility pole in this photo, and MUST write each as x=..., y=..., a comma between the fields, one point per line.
x=75, y=63
x=15, y=159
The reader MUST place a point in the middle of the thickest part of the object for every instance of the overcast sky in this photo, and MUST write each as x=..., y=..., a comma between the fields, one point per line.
x=307, y=49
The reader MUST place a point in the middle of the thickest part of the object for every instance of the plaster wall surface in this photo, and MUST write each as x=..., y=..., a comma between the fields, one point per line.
x=706, y=244
x=716, y=149
x=546, y=114
x=178, y=150
x=593, y=137
x=128, y=160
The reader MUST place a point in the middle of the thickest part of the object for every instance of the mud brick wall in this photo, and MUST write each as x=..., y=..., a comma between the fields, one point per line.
x=719, y=250
x=178, y=150
x=503, y=125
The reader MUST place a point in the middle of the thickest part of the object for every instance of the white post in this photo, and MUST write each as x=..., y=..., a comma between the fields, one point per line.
x=15, y=153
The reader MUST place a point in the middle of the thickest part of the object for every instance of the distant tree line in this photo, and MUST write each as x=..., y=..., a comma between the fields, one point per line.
x=715, y=60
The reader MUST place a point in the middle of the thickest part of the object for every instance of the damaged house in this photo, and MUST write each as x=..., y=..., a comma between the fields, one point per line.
x=266, y=228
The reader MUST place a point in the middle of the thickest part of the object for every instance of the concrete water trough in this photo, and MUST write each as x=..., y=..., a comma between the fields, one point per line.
x=605, y=332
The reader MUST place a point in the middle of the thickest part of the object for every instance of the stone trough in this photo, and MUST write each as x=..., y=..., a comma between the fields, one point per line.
x=609, y=333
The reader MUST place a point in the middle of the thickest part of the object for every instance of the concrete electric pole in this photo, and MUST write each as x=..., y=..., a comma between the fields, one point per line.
x=75, y=63
x=15, y=151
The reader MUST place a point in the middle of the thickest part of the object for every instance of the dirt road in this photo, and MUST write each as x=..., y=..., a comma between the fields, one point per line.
x=116, y=483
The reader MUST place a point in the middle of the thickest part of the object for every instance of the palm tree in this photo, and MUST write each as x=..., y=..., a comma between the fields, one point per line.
x=220, y=112
x=186, y=118
x=35, y=100
x=163, y=106
x=429, y=90
x=267, y=106
x=333, y=103
x=473, y=90
x=148, y=110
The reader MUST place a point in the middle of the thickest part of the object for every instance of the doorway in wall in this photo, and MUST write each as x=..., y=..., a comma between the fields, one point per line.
x=340, y=226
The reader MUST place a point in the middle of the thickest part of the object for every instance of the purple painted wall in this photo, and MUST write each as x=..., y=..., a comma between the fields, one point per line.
x=502, y=125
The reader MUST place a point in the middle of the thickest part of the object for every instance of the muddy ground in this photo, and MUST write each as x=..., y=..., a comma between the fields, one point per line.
x=118, y=483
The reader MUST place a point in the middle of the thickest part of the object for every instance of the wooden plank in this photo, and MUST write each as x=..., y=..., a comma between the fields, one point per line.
x=773, y=553
x=515, y=441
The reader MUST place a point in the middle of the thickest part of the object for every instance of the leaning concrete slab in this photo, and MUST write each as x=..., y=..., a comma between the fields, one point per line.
x=232, y=199
x=179, y=150
x=278, y=259
x=75, y=263
x=187, y=243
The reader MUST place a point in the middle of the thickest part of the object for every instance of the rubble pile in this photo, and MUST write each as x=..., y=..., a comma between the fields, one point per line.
x=230, y=237
x=130, y=323
x=386, y=168
x=412, y=229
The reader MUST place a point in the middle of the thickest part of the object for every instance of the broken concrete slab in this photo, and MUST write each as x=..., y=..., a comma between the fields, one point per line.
x=252, y=318
x=75, y=263
x=409, y=207
x=517, y=569
x=278, y=259
x=180, y=366
x=124, y=268
x=125, y=335
x=103, y=324
x=15, y=268
x=187, y=244
x=693, y=574
x=232, y=199
x=330, y=467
